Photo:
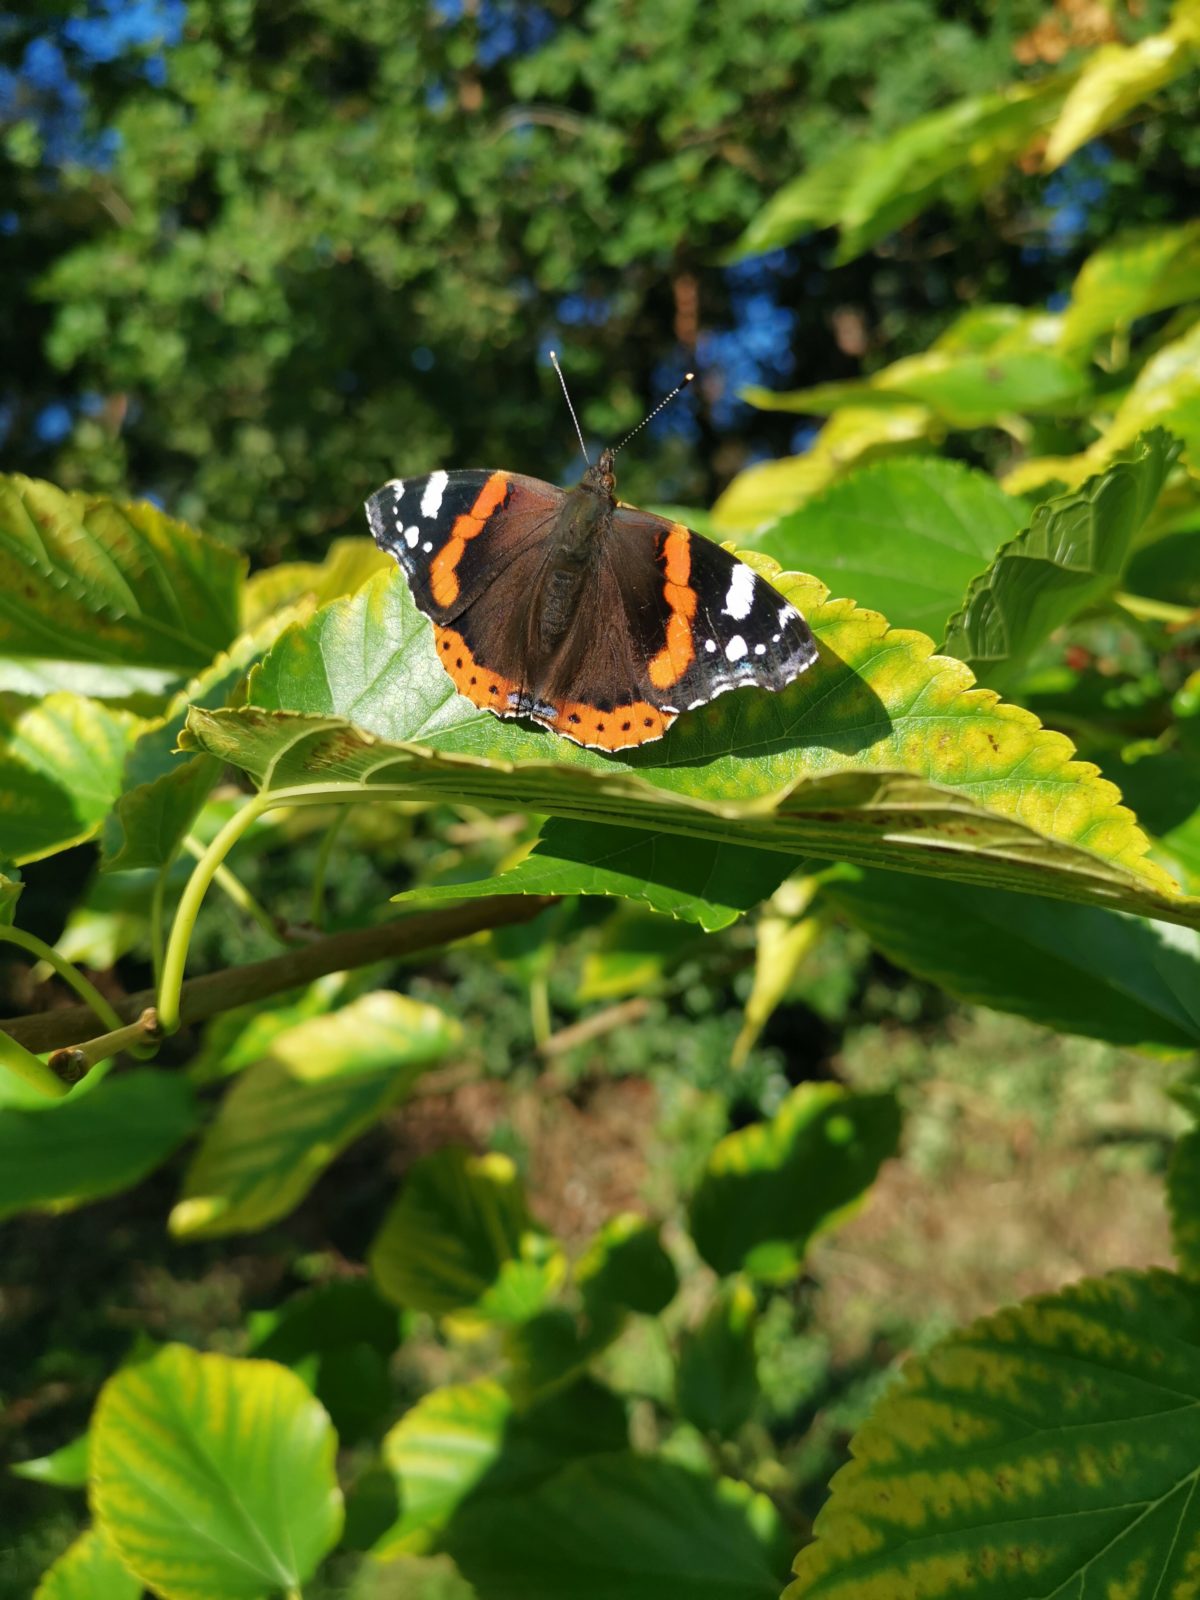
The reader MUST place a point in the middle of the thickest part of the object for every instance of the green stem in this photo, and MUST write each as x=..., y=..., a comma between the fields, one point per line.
x=156, y=921
x=316, y=914
x=67, y=971
x=225, y=878
x=205, y=870
x=1147, y=610
x=539, y=1011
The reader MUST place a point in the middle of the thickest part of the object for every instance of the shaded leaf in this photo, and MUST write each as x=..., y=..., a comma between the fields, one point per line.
x=692, y=879
x=60, y=772
x=10, y=892
x=1183, y=1202
x=1044, y=1450
x=905, y=536
x=812, y=770
x=626, y=1265
x=469, y=1440
x=325, y=1081
x=716, y=1384
x=84, y=578
x=1140, y=271
x=89, y=1570
x=404, y=1577
x=460, y=1238
x=214, y=1478
x=621, y=1527
x=770, y=1188
x=1071, y=555
x=1071, y=968
x=91, y=1143
x=1116, y=78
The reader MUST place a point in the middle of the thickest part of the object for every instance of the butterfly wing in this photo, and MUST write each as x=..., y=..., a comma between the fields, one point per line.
x=675, y=621
x=470, y=544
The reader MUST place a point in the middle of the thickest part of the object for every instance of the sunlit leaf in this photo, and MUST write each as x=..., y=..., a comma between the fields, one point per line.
x=876, y=187
x=880, y=754
x=65, y=1468
x=25, y=1079
x=621, y=1527
x=89, y=1569
x=1048, y=1450
x=93, y=1142
x=84, y=578
x=1139, y=272
x=1072, y=968
x=962, y=389
x=324, y=1082
x=904, y=536
x=1116, y=78
x=460, y=1238
x=214, y=1478
x=716, y=1384
x=348, y=564
x=852, y=437
x=769, y=1188
x=60, y=772
x=784, y=938
x=1071, y=555
x=470, y=1439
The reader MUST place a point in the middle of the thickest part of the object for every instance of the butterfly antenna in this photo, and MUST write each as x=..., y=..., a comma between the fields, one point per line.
x=570, y=407
x=662, y=404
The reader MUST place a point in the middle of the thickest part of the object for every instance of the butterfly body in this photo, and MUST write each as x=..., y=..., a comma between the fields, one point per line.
x=595, y=619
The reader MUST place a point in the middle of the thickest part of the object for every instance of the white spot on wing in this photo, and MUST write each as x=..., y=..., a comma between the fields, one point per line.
x=411, y=535
x=710, y=645
x=427, y=547
x=736, y=648
x=760, y=649
x=787, y=614
x=397, y=487
x=431, y=500
x=740, y=595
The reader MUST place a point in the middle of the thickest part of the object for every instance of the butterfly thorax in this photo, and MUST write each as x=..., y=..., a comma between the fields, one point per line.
x=573, y=553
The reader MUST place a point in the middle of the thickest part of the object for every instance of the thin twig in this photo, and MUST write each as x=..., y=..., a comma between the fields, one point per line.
x=594, y=1027
x=222, y=991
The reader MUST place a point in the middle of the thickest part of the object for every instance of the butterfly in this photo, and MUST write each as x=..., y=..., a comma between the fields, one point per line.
x=599, y=621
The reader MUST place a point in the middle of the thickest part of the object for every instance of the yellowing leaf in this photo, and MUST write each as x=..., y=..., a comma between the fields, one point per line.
x=214, y=1478
x=89, y=1570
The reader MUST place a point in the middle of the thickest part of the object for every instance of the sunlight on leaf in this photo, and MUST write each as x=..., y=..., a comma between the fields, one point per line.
x=89, y=1570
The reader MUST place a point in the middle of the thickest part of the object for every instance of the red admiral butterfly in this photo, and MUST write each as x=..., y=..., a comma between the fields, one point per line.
x=599, y=621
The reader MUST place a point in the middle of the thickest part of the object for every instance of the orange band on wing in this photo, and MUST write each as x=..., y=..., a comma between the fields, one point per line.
x=618, y=729
x=679, y=651
x=481, y=687
x=443, y=570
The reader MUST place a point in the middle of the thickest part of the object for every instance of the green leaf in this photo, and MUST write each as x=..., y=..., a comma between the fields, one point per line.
x=851, y=438
x=962, y=389
x=348, y=564
x=621, y=1527
x=950, y=155
x=1183, y=1202
x=91, y=1143
x=626, y=1265
x=89, y=1570
x=10, y=892
x=1117, y=78
x=904, y=536
x=770, y=1188
x=65, y=1468
x=1071, y=968
x=694, y=880
x=325, y=1081
x=25, y=1079
x=1070, y=556
x=716, y=1384
x=880, y=754
x=1141, y=271
x=60, y=772
x=470, y=1440
x=460, y=1238
x=83, y=578
x=1048, y=1450
x=1165, y=392
x=214, y=1478
x=406, y=1577
x=164, y=792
